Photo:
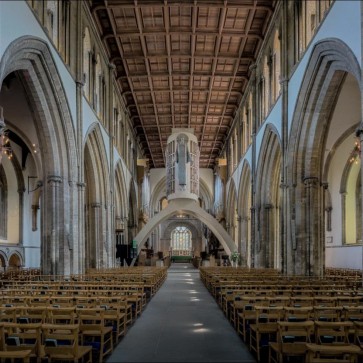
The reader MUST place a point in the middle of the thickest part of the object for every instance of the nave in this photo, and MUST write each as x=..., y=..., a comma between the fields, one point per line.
x=182, y=323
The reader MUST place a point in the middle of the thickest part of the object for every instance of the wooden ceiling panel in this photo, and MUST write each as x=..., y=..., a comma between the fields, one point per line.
x=182, y=64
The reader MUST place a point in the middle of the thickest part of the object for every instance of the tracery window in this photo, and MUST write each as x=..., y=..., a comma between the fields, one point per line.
x=181, y=239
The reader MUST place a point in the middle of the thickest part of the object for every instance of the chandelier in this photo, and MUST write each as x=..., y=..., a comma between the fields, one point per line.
x=355, y=153
x=5, y=148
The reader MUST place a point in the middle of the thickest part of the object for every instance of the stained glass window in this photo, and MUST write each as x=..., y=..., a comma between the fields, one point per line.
x=181, y=239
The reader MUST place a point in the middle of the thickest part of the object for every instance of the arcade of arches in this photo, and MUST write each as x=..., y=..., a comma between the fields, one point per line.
x=77, y=183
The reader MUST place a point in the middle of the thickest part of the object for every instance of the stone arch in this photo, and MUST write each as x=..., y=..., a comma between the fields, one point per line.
x=158, y=193
x=132, y=210
x=190, y=207
x=15, y=261
x=196, y=233
x=205, y=195
x=3, y=261
x=120, y=192
x=32, y=59
x=330, y=61
x=96, y=199
x=268, y=177
x=244, y=211
x=232, y=217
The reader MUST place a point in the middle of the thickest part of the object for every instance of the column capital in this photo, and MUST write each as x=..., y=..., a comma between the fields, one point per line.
x=54, y=179
x=311, y=181
x=96, y=205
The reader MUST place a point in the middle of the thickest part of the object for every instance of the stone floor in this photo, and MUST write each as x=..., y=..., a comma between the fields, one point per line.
x=182, y=323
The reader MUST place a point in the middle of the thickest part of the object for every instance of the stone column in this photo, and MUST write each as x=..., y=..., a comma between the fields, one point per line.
x=244, y=240
x=285, y=217
x=253, y=165
x=95, y=246
x=79, y=223
x=21, y=214
x=51, y=263
x=267, y=250
x=311, y=225
x=110, y=212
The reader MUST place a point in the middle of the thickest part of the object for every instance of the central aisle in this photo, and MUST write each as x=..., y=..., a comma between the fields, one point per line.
x=181, y=323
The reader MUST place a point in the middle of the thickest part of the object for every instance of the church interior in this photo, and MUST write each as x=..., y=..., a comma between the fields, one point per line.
x=184, y=175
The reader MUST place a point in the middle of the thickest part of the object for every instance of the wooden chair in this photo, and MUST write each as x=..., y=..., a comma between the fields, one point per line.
x=295, y=314
x=61, y=315
x=291, y=340
x=264, y=329
x=116, y=318
x=61, y=344
x=320, y=353
x=24, y=336
x=94, y=332
x=327, y=313
x=335, y=332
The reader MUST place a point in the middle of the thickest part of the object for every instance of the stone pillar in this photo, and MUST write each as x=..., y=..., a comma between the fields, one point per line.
x=110, y=233
x=79, y=223
x=51, y=263
x=253, y=236
x=268, y=242
x=94, y=256
x=244, y=240
x=253, y=165
x=21, y=214
x=312, y=242
x=285, y=217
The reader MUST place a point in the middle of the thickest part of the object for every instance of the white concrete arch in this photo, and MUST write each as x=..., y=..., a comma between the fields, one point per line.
x=191, y=207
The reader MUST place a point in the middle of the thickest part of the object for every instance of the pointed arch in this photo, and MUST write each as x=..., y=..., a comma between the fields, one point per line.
x=232, y=217
x=330, y=62
x=186, y=206
x=57, y=165
x=268, y=176
x=96, y=199
x=120, y=192
x=244, y=210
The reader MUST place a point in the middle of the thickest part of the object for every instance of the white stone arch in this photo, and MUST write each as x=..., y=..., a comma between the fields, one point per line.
x=120, y=192
x=169, y=226
x=267, y=249
x=190, y=207
x=158, y=193
x=205, y=195
x=244, y=210
x=32, y=59
x=232, y=217
x=330, y=62
x=97, y=212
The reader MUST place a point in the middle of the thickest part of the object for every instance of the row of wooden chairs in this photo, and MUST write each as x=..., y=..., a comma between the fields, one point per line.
x=272, y=318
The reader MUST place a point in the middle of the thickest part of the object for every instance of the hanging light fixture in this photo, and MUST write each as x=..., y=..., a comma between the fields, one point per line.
x=5, y=148
x=355, y=153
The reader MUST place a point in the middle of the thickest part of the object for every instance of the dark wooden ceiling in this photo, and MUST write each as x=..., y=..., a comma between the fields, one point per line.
x=182, y=64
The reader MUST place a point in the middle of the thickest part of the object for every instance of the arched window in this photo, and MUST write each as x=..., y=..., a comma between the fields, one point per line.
x=87, y=60
x=181, y=239
x=52, y=21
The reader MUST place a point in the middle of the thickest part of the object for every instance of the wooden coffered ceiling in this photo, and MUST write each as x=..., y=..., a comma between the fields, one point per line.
x=182, y=64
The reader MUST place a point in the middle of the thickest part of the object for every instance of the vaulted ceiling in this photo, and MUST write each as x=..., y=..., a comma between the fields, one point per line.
x=182, y=64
